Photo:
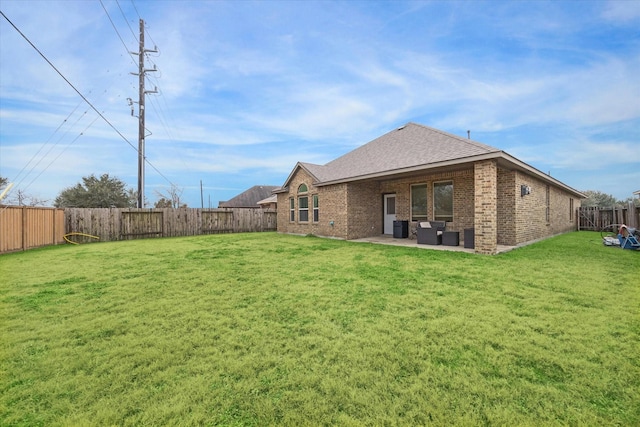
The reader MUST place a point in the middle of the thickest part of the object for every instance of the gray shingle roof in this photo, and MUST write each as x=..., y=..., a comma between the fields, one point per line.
x=408, y=146
x=250, y=197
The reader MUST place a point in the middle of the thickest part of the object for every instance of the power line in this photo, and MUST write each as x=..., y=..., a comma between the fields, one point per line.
x=62, y=151
x=117, y=32
x=124, y=138
x=142, y=160
x=139, y=17
x=50, y=150
x=125, y=20
x=136, y=9
x=65, y=121
x=69, y=83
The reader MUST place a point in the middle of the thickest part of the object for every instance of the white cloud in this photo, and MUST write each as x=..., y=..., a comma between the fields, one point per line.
x=256, y=87
x=622, y=11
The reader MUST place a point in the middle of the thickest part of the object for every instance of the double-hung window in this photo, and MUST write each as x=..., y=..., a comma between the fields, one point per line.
x=292, y=209
x=547, y=215
x=316, y=210
x=303, y=203
x=571, y=209
x=443, y=201
x=419, y=202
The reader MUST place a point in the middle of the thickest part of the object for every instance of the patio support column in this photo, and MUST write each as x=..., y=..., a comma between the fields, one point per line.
x=486, y=207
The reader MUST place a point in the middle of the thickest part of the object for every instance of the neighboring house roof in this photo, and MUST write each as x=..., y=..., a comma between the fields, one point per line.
x=250, y=197
x=637, y=193
x=409, y=149
x=271, y=199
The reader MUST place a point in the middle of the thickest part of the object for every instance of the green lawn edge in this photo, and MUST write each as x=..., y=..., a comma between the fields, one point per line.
x=272, y=329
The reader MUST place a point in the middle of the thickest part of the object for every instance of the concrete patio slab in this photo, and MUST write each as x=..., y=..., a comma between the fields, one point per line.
x=386, y=239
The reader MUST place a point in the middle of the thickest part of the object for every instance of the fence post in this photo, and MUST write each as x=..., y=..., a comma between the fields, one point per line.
x=631, y=217
x=24, y=228
x=53, y=237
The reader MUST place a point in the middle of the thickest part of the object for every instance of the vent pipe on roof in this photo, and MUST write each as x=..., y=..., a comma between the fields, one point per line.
x=468, y=134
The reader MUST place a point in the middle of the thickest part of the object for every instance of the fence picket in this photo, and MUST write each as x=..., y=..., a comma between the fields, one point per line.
x=595, y=218
x=24, y=227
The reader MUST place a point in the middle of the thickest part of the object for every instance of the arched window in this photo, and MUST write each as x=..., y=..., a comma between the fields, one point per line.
x=303, y=203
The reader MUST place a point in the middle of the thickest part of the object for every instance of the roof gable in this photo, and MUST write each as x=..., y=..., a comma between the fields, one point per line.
x=315, y=171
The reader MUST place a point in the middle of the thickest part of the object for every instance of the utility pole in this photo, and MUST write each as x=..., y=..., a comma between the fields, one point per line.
x=201, y=196
x=141, y=129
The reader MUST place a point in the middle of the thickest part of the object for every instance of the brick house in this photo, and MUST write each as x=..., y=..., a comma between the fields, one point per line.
x=416, y=173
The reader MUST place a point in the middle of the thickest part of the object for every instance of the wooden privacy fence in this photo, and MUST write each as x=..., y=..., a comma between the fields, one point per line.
x=25, y=227
x=595, y=218
x=125, y=224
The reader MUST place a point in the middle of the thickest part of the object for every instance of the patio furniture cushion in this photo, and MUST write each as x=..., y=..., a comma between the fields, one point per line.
x=431, y=235
x=451, y=238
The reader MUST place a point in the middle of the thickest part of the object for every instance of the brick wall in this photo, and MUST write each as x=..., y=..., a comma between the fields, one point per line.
x=485, y=197
x=331, y=203
x=506, y=220
x=532, y=221
x=463, y=194
x=486, y=206
x=364, y=207
x=356, y=208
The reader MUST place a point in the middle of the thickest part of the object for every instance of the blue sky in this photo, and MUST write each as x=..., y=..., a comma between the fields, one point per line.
x=247, y=89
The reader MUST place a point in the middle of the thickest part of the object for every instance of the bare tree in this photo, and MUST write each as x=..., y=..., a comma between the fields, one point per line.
x=170, y=198
x=23, y=199
x=20, y=197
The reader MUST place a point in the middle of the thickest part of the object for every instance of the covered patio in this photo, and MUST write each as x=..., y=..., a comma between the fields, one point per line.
x=387, y=239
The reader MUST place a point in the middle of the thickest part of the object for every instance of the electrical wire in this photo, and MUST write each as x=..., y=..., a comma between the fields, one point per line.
x=136, y=9
x=65, y=121
x=146, y=55
x=139, y=17
x=62, y=151
x=18, y=183
x=49, y=151
x=69, y=83
x=124, y=138
x=125, y=20
x=117, y=32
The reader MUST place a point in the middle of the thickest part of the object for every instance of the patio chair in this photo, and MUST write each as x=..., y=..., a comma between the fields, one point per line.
x=627, y=238
x=430, y=232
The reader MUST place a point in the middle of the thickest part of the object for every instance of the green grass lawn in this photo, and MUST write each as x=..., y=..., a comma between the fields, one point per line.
x=268, y=329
